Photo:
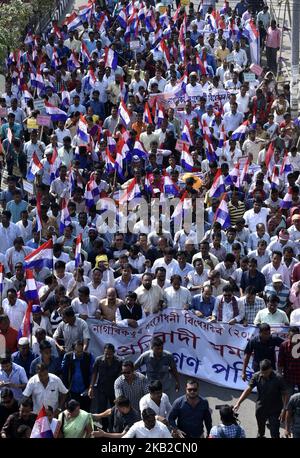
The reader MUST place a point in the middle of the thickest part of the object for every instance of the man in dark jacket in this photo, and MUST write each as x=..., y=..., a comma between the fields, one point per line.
x=77, y=368
x=106, y=370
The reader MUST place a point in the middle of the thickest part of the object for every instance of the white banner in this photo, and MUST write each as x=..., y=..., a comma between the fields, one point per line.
x=213, y=352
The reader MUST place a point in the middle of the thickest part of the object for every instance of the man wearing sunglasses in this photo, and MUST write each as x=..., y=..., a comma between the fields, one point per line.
x=189, y=412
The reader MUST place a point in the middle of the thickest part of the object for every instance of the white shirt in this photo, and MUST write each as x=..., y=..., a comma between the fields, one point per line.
x=252, y=218
x=232, y=121
x=269, y=270
x=88, y=308
x=227, y=314
x=169, y=267
x=195, y=279
x=100, y=291
x=65, y=280
x=8, y=235
x=61, y=134
x=162, y=410
x=36, y=346
x=295, y=318
x=48, y=396
x=149, y=299
x=181, y=237
x=26, y=232
x=139, y=431
x=177, y=298
x=15, y=312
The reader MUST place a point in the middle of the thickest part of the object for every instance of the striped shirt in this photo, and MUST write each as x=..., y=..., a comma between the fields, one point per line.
x=236, y=212
x=133, y=391
x=283, y=294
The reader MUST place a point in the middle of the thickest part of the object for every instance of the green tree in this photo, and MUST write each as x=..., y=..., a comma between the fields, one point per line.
x=14, y=18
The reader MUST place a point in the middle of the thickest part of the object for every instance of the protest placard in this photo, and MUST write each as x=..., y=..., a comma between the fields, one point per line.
x=32, y=124
x=43, y=120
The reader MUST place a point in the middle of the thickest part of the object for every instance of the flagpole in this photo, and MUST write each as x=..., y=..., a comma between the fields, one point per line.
x=41, y=134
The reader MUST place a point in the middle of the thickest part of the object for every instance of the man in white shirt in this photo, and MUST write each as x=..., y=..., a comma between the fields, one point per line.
x=228, y=308
x=156, y=400
x=243, y=100
x=194, y=89
x=46, y=390
x=167, y=262
x=61, y=132
x=233, y=119
x=61, y=275
x=97, y=286
x=176, y=296
x=15, y=308
x=161, y=82
x=240, y=56
x=149, y=296
x=148, y=428
x=84, y=305
x=258, y=214
x=276, y=267
x=8, y=232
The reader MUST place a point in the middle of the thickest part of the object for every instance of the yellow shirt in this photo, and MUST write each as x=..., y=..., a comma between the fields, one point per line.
x=221, y=54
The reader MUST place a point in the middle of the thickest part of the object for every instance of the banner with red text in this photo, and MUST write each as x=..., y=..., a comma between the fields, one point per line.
x=209, y=351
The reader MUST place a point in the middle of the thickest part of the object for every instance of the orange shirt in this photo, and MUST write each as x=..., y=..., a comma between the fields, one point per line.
x=11, y=339
x=139, y=128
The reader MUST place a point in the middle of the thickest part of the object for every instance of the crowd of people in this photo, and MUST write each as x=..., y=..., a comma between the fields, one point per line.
x=131, y=102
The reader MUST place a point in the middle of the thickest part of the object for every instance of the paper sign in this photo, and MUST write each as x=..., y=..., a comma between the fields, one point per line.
x=43, y=120
x=39, y=104
x=32, y=124
x=230, y=58
x=135, y=44
x=248, y=77
x=256, y=69
x=3, y=112
x=28, y=187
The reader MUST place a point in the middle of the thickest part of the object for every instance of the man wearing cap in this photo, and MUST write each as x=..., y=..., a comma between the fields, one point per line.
x=40, y=321
x=282, y=242
x=280, y=290
x=193, y=88
x=24, y=356
x=294, y=230
x=271, y=314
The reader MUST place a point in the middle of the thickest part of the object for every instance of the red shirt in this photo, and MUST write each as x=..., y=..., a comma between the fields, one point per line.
x=291, y=366
x=11, y=339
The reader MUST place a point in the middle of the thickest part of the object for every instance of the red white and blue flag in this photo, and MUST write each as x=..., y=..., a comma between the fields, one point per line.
x=218, y=186
x=73, y=21
x=186, y=135
x=123, y=113
x=222, y=215
x=55, y=113
x=287, y=201
x=133, y=191
x=111, y=58
x=1, y=278
x=41, y=257
x=34, y=167
x=82, y=131
x=147, y=117
x=41, y=428
x=65, y=218
x=78, y=250
x=186, y=159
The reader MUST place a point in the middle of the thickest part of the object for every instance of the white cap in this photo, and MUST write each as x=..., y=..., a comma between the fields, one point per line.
x=23, y=341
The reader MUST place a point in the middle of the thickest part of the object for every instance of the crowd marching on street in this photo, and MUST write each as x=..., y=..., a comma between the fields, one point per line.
x=149, y=160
